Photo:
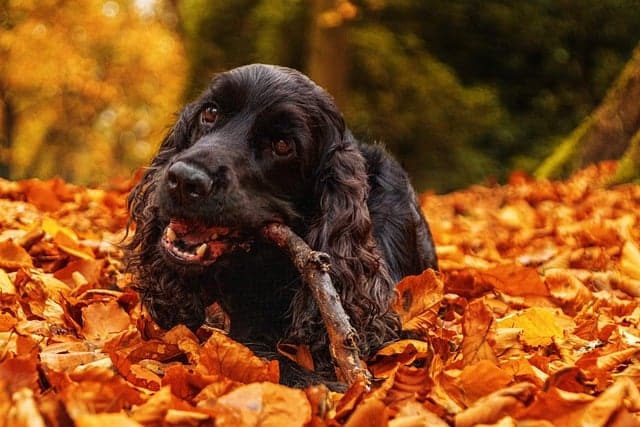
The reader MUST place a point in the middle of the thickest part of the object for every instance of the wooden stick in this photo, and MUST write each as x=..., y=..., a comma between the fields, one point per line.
x=314, y=268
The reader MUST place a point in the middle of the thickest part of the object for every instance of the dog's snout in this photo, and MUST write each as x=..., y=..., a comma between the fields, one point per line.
x=187, y=183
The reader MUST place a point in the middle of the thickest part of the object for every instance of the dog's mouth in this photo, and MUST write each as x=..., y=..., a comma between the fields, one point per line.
x=190, y=242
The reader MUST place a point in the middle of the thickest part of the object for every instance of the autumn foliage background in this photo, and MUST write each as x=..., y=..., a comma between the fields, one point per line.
x=533, y=318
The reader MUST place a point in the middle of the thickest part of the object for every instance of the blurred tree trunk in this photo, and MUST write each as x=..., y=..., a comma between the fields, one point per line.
x=327, y=62
x=612, y=131
x=7, y=127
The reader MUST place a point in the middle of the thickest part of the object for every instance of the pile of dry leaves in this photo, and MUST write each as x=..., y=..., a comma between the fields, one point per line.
x=533, y=320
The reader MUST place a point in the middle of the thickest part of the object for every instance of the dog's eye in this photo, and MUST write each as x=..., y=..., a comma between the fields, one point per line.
x=282, y=147
x=209, y=115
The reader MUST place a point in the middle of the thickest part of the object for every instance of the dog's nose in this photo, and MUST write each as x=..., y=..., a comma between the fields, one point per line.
x=187, y=183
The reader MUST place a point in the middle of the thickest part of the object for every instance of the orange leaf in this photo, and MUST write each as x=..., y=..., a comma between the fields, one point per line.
x=621, y=397
x=187, y=384
x=19, y=372
x=223, y=356
x=100, y=320
x=14, y=256
x=89, y=268
x=66, y=239
x=516, y=280
x=480, y=379
x=560, y=407
x=72, y=247
x=41, y=195
x=371, y=413
x=491, y=408
x=477, y=328
x=264, y=404
x=403, y=352
x=101, y=420
x=419, y=301
x=297, y=353
x=540, y=326
x=141, y=377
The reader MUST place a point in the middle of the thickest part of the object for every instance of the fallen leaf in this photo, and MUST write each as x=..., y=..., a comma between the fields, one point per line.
x=419, y=300
x=480, y=379
x=477, y=329
x=630, y=260
x=24, y=410
x=492, y=407
x=101, y=420
x=516, y=280
x=271, y=404
x=222, y=356
x=622, y=396
x=371, y=413
x=540, y=326
x=14, y=256
x=101, y=320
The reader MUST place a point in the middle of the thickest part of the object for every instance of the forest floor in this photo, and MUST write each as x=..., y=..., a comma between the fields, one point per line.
x=533, y=319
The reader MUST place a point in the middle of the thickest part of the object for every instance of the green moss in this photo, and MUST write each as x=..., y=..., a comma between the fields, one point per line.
x=629, y=167
x=564, y=158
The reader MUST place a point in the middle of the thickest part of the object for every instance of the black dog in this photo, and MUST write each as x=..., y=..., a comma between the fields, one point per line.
x=265, y=144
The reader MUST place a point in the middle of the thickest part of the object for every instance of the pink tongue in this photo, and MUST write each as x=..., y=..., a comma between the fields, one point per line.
x=179, y=227
x=194, y=233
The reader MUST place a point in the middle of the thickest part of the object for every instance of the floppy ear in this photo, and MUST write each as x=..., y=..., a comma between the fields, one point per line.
x=342, y=228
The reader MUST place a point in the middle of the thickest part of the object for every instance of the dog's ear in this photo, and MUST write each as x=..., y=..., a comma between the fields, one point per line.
x=342, y=228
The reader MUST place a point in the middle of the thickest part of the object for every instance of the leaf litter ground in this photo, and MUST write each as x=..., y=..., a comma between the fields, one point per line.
x=532, y=320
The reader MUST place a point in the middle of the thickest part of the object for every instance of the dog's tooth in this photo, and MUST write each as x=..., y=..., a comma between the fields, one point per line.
x=214, y=236
x=171, y=235
x=201, y=250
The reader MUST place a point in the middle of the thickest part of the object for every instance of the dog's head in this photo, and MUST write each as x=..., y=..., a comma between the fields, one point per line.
x=262, y=144
x=246, y=153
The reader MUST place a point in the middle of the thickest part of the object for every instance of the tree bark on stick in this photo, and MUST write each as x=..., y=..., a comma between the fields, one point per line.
x=607, y=133
x=314, y=269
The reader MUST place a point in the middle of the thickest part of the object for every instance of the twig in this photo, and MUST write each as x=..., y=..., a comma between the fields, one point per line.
x=314, y=268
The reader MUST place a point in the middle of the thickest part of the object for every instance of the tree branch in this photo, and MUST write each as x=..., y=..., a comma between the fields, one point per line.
x=314, y=268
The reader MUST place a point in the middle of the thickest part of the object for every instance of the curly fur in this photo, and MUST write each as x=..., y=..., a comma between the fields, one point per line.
x=347, y=199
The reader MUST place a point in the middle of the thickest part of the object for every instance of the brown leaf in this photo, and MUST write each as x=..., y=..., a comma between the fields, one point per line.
x=371, y=413
x=297, y=353
x=90, y=270
x=223, y=356
x=516, y=280
x=491, y=408
x=561, y=408
x=419, y=300
x=101, y=320
x=482, y=378
x=154, y=410
x=403, y=352
x=477, y=328
x=20, y=372
x=94, y=390
x=414, y=414
x=189, y=384
x=265, y=403
x=41, y=194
